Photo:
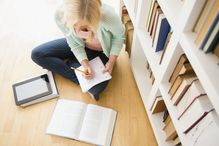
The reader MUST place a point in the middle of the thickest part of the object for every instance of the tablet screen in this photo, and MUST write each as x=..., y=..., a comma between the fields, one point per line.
x=32, y=88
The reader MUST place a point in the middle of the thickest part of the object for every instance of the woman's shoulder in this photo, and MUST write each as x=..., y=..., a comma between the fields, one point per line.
x=109, y=18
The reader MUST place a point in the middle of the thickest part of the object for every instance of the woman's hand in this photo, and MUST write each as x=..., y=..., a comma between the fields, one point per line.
x=88, y=70
x=110, y=64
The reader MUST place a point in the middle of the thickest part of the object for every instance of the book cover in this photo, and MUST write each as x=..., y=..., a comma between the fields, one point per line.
x=149, y=13
x=213, y=41
x=208, y=22
x=184, y=86
x=159, y=11
x=165, y=46
x=212, y=32
x=203, y=15
x=162, y=35
x=198, y=109
x=156, y=6
x=97, y=66
x=158, y=106
x=170, y=130
x=178, y=82
x=183, y=59
x=195, y=91
x=158, y=29
x=84, y=122
x=206, y=131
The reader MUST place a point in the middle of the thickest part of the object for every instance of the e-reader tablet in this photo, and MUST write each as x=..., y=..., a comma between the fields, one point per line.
x=31, y=89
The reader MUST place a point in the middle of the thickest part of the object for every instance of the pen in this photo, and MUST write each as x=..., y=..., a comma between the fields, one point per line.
x=86, y=73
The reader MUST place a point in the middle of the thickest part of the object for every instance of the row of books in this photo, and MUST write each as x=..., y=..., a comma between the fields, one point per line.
x=170, y=131
x=151, y=75
x=129, y=29
x=188, y=95
x=207, y=27
x=157, y=26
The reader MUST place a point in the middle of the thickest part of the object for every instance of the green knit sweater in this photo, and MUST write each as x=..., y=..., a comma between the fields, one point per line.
x=110, y=34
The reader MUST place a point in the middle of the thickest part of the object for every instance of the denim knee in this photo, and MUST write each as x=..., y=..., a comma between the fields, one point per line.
x=36, y=54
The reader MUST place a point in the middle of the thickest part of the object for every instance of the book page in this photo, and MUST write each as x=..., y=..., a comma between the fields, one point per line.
x=67, y=119
x=97, y=66
x=98, y=125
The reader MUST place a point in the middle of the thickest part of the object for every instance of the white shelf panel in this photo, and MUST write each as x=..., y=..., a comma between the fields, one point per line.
x=129, y=5
x=171, y=9
x=205, y=66
x=152, y=56
x=173, y=114
x=142, y=79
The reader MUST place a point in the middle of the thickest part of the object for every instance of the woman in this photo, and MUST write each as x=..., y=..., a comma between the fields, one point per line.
x=91, y=29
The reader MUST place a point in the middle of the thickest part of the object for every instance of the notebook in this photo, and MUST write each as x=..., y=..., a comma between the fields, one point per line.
x=97, y=68
x=84, y=122
x=35, y=89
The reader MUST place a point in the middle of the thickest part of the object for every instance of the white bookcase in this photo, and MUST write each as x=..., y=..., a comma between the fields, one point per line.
x=182, y=15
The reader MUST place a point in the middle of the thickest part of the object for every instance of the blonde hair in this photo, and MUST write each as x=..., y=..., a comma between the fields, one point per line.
x=85, y=10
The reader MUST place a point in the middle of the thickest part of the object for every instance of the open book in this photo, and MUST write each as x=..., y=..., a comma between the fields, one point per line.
x=84, y=122
x=97, y=66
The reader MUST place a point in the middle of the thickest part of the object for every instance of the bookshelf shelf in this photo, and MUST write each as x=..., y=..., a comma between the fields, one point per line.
x=157, y=125
x=141, y=74
x=152, y=57
x=172, y=111
x=172, y=10
x=205, y=66
x=181, y=16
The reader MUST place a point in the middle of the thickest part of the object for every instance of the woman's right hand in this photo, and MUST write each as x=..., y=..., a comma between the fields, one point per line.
x=88, y=69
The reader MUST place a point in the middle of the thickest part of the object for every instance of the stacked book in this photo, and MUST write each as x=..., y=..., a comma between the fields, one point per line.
x=207, y=26
x=158, y=105
x=181, y=79
x=170, y=131
x=129, y=29
x=151, y=75
x=196, y=103
x=157, y=27
x=188, y=95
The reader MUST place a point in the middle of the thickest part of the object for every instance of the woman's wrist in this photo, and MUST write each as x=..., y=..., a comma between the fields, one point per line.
x=85, y=63
x=112, y=59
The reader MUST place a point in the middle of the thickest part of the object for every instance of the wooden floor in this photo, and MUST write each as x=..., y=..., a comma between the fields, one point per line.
x=27, y=23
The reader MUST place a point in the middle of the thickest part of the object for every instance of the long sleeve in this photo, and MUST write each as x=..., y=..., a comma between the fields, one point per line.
x=114, y=25
x=76, y=45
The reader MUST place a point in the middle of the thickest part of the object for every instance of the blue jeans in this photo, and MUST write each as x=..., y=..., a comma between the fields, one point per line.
x=57, y=57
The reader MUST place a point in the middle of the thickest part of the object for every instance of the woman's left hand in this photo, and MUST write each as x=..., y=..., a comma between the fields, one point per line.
x=108, y=67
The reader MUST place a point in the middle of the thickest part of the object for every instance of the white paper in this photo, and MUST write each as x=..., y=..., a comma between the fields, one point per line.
x=97, y=68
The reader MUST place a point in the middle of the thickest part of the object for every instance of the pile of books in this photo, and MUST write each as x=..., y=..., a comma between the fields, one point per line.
x=129, y=29
x=207, y=26
x=151, y=75
x=188, y=95
x=157, y=27
x=181, y=78
x=169, y=129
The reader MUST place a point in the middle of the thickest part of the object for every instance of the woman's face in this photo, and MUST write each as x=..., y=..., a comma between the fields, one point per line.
x=82, y=26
